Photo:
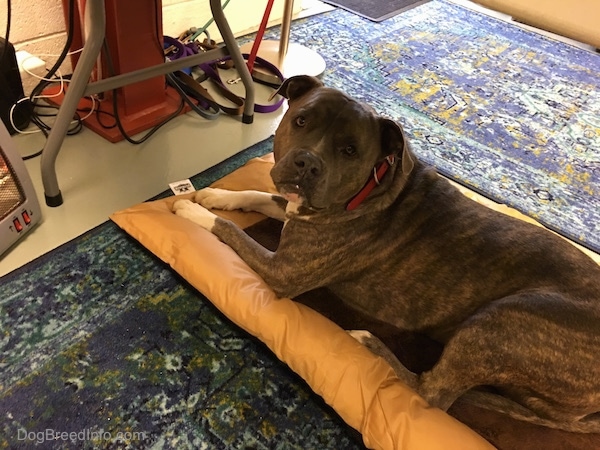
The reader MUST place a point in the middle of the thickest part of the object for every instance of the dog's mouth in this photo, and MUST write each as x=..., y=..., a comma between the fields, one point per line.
x=291, y=192
x=294, y=193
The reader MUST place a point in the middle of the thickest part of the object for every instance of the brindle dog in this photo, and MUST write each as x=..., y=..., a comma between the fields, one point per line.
x=517, y=307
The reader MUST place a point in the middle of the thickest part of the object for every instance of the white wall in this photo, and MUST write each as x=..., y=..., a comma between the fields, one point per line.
x=38, y=26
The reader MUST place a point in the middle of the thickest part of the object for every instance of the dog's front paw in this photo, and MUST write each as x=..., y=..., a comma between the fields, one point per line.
x=196, y=213
x=214, y=198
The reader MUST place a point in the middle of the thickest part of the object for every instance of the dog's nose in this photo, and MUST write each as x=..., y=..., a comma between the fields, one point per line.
x=308, y=164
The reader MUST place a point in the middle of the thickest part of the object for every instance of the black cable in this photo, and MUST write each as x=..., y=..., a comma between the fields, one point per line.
x=33, y=155
x=98, y=113
x=33, y=103
x=3, y=57
x=111, y=72
x=22, y=106
x=7, y=33
x=151, y=132
x=184, y=97
x=65, y=51
x=207, y=114
x=158, y=27
x=36, y=118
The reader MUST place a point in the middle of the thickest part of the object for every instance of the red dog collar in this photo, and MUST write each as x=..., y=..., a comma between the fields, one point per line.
x=378, y=173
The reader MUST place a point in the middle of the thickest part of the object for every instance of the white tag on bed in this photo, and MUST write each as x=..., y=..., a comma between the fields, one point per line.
x=182, y=187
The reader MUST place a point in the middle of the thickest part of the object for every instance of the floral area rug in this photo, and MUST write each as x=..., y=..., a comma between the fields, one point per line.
x=507, y=112
x=104, y=346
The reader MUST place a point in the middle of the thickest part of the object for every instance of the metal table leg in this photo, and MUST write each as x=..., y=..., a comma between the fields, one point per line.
x=96, y=17
x=236, y=56
x=80, y=86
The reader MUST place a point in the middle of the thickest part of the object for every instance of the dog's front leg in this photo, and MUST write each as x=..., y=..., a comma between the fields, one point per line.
x=195, y=213
x=267, y=264
x=268, y=204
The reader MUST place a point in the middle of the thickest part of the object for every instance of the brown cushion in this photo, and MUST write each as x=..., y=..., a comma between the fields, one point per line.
x=362, y=388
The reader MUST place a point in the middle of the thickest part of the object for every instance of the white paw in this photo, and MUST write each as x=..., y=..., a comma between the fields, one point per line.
x=214, y=198
x=196, y=213
x=361, y=336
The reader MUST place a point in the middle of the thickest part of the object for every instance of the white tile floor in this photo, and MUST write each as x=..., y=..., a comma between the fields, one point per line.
x=97, y=178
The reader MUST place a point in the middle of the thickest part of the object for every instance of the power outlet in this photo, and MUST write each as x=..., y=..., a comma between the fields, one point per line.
x=28, y=65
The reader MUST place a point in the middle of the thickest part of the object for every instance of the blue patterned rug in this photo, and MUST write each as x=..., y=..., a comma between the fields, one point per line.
x=507, y=112
x=104, y=346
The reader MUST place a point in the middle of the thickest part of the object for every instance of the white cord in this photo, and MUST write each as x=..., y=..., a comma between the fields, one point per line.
x=62, y=81
x=60, y=92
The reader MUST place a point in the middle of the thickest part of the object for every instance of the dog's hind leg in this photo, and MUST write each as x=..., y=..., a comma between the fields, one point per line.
x=518, y=346
x=498, y=403
x=482, y=399
x=380, y=349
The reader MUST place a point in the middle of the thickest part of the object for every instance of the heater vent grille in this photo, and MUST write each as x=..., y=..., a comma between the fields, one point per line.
x=11, y=191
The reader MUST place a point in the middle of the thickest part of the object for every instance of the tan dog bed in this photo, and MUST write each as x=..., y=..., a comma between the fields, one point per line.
x=361, y=387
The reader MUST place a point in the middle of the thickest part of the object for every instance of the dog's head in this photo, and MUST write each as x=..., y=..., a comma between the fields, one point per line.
x=328, y=144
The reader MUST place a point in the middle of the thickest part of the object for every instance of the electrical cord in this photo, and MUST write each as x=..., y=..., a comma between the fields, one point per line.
x=151, y=132
x=210, y=114
x=37, y=118
x=7, y=32
x=65, y=51
x=99, y=113
x=33, y=100
x=25, y=108
x=111, y=71
x=185, y=99
x=3, y=62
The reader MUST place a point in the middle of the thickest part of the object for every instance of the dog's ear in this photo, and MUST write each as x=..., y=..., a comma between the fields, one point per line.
x=295, y=87
x=394, y=142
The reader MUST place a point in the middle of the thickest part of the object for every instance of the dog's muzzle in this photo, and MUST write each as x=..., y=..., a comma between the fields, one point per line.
x=297, y=174
x=309, y=167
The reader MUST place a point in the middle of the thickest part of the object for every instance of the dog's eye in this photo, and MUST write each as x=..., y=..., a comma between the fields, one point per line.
x=349, y=150
x=300, y=121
